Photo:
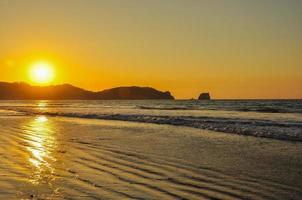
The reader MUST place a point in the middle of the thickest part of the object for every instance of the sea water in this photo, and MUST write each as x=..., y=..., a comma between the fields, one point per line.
x=278, y=119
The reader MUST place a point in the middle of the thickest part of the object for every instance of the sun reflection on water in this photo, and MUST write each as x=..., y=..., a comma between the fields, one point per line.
x=41, y=146
x=42, y=105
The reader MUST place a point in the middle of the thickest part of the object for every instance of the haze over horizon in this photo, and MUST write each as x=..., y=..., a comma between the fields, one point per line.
x=233, y=49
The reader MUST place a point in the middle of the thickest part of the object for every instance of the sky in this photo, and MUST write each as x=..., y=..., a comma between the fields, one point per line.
x=230, y=48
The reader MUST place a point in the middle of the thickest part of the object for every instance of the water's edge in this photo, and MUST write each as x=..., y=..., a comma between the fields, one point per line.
x=291, y=131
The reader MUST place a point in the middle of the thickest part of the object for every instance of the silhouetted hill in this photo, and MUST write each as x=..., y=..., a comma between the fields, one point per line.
x=14, y=91
x=134, y=93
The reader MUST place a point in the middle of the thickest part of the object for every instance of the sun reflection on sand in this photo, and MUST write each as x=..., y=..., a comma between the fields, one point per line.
x=41, y=145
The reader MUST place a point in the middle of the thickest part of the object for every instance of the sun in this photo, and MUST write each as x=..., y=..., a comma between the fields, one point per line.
x=41, y=72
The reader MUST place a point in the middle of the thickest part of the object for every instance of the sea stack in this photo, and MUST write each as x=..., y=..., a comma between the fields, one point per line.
x=204, y=96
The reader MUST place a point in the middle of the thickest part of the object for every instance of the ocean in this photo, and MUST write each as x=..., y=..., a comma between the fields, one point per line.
x=182, y=149
x=278, y=119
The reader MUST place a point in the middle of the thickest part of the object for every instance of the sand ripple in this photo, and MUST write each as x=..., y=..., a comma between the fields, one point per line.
x=39, y=160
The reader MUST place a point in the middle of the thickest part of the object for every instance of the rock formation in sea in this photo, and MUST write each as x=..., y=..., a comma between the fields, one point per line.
x=204, y=96
x=24, y=91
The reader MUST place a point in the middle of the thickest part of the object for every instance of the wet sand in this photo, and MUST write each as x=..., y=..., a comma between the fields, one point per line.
x=68, y=158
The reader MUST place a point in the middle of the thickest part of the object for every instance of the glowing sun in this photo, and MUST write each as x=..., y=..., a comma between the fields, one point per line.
x=42, y=72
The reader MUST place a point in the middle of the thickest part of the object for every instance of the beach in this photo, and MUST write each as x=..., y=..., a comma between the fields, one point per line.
x=46, y=157
x=150, y=100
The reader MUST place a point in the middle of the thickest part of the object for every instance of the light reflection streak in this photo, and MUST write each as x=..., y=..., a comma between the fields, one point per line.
x=42, y=105
x=41, y=146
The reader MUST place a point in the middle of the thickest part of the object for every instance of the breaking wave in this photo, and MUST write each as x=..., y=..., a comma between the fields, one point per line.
x=283, y=130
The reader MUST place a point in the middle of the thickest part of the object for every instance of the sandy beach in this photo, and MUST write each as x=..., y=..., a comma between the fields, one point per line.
x=68, y=158
x=150, y=100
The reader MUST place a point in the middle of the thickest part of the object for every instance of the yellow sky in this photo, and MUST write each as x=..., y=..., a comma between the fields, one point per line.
x=231, y=48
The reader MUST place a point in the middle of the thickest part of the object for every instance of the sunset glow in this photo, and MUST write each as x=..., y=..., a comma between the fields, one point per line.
x=237, y=49
x=151, y=99
x=41, y=73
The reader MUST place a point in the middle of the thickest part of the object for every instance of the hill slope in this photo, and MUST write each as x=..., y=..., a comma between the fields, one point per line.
x=14, y=91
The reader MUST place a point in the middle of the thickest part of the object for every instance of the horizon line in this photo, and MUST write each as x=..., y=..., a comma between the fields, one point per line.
x=192, y=98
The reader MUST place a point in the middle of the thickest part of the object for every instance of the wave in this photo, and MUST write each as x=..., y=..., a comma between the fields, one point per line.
x=257, y=106
x=265, y=110
x=282, y=130
x=168, y=108
x=261, y=110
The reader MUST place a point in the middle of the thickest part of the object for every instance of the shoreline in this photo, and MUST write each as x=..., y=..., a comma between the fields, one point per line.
x=239, y=125
x=117, y=159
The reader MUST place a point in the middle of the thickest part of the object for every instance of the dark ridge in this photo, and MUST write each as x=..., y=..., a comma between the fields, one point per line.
x=134, y=92
x=24, y=91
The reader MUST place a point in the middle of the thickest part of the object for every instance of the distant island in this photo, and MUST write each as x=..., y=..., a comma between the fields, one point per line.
x=24, y=91
x=204, y=96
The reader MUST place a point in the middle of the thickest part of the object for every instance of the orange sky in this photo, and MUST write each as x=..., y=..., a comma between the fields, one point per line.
x=231, y=48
